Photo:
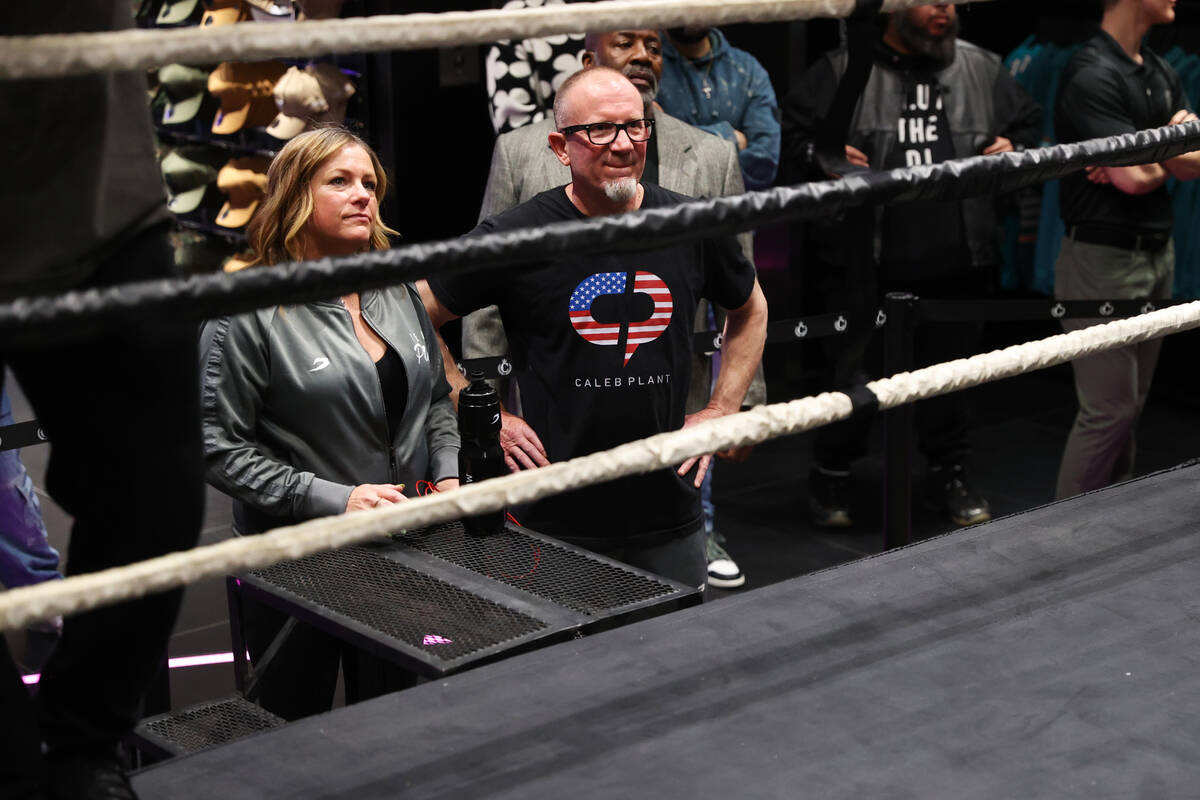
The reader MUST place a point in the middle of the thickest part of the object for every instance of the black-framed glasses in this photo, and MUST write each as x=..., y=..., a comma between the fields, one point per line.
x=638, y=130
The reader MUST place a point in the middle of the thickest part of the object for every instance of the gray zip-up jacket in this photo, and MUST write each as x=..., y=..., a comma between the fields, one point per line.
x=293, y=411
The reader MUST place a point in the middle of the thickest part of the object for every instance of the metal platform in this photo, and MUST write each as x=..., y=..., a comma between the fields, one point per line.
x=438, y=600
x=200, y=727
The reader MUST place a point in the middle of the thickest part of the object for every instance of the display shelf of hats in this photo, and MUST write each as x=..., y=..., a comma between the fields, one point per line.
x=219, y=126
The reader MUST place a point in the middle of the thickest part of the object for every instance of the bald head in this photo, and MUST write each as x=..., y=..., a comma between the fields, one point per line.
x=588, y=89
x=604, y=176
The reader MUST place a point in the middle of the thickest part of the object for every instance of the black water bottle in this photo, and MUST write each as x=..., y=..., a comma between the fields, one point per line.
x=481, y=456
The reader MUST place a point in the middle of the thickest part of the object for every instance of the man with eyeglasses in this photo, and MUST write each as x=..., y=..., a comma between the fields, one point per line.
x=602, y=342
x=679, y=157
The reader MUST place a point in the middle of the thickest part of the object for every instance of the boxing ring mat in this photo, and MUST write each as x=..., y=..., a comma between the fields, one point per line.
x=1053, y=653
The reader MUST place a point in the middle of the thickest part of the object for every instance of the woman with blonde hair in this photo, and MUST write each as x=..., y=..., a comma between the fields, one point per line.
x=326, y=407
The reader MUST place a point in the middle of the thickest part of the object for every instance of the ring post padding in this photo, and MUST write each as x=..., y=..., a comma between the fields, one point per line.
x=901, y=310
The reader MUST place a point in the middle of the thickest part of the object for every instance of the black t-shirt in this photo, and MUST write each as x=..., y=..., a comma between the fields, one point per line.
x=922, y=236
x=602, y=346
x=1106, y=93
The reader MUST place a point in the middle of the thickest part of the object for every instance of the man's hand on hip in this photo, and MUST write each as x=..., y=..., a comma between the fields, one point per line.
x=703, y=415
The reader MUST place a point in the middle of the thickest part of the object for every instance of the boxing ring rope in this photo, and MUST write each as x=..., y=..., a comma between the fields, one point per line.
x=60, y=55
x=82, y=53
x=201, y=296
x=18, y=607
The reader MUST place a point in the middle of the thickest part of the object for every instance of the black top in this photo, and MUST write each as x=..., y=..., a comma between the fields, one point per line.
x=602, y=348
x=1106, y=93
x=922, y=237
x=394, y=383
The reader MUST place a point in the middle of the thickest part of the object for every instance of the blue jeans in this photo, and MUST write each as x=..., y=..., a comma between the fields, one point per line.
x=26, y=556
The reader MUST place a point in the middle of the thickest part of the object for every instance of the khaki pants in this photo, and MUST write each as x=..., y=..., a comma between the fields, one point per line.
x=1111, y=387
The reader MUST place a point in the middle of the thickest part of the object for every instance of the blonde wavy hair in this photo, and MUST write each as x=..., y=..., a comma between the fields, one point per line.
x=275, y=230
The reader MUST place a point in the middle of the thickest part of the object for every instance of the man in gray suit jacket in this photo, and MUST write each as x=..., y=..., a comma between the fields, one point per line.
x=679, y=157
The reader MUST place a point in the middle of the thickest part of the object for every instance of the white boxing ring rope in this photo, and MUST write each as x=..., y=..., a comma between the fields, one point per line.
x=19, y=607
x=81, y=53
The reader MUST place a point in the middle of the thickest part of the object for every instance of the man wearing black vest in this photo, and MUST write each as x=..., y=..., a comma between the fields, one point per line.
x=930, y=97
x=1118, y=221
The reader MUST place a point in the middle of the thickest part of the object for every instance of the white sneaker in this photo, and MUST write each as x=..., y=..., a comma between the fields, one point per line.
x=723, y=571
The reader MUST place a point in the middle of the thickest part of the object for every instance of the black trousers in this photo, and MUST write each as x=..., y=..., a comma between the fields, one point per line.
x=121, y=410
x=942, y=423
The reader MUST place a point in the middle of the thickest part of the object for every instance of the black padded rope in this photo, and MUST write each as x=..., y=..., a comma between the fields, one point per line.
x=203, y=296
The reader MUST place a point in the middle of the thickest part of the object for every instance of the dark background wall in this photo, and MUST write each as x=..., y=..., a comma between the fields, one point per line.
x=435, y=104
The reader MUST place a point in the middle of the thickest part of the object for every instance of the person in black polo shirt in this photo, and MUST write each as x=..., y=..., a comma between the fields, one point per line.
x=1118, y=221
x=602, y=342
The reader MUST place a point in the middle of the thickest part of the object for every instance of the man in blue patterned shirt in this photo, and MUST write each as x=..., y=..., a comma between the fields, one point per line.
x=723, y=90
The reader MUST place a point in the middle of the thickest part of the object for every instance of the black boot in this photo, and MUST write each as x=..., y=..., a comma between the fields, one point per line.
x=950, y=492
x=829, y=498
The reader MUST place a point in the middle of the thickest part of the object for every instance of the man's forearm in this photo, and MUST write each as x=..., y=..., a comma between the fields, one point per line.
x=741, y=351
x=450, y=367
x=1185, y=167
x=1142, y=179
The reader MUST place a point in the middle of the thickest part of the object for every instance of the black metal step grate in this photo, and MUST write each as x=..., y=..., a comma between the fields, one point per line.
x=421, y=611
x=569, y=578
x=206, y=725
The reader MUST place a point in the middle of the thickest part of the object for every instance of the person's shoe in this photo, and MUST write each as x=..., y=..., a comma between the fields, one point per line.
x=723, y=571
x=829, y=498
x=950, y=492
x=88, y=776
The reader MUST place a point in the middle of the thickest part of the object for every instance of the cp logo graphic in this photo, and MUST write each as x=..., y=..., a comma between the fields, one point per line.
x=610, y=333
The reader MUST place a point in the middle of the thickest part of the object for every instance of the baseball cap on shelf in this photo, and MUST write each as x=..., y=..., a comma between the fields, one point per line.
x=320, y=9
x=199, y=253
x=188, y=174
x=318, y=93
x=223, y=12
x=177, y=12
x=244, y=181
x=271, y=10
x=238, y=261
x=183, y=88
x=244, y=90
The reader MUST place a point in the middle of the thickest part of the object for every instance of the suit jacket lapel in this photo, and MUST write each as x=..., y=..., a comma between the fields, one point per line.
x=677, y=167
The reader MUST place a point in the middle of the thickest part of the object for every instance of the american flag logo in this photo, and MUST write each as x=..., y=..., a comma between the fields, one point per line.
x=609, y=333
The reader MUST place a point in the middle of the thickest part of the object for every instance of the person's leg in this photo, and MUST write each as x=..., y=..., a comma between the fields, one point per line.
x=302, y=677
x=121, y=410
x=838, y=445
x=22, y=768
x=1108, y=385
x=943, y=423
x=26, y=556
x=1163, y=264
x=723, y=571
x=681, y=559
